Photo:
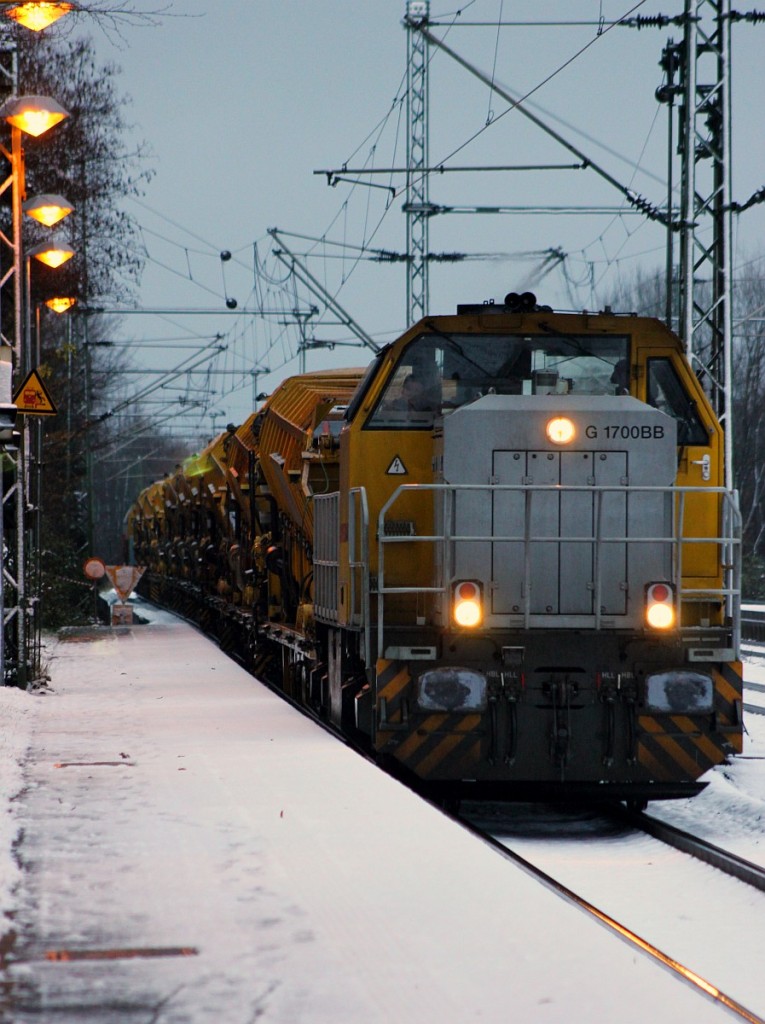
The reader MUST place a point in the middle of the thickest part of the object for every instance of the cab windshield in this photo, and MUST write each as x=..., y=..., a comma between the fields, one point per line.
x=438, y=372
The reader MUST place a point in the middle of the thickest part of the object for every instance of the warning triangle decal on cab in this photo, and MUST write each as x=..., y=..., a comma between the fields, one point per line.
x=396, y=468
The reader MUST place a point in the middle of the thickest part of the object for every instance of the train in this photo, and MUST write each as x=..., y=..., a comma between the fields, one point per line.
x=501, y=558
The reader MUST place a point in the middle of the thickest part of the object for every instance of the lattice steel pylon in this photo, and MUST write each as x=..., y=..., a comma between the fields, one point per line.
x=706, y=318
x=14, y=611
x=417, y=206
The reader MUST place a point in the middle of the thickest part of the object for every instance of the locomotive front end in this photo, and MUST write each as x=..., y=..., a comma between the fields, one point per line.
x=575, y=631
x=502, y=558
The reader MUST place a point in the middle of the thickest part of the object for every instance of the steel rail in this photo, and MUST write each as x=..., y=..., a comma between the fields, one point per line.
x=680, y=970
x=729, y=863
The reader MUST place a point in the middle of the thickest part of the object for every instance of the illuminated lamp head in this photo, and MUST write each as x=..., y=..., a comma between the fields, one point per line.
x=61, y=303
x=660, y=606
x=52, y=254
x=38, y=14
x=33, y=114
x=560, y=430
x=47, y=209
x=467, y=604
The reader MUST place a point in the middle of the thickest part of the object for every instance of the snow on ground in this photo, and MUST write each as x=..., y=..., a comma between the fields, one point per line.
x=199, y=745
x=730, y=812
x=16, y=715
x=17, y=712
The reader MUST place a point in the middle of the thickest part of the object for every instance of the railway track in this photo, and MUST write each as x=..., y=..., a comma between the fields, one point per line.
x=756, y=688
x=753, y=647
x=729, y=863
x=618, y=926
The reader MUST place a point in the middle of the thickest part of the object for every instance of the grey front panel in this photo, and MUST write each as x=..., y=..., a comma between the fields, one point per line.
x=583, y=545
x=471, y=516
x=601, y=515
x=510, y=513
x=562, y=568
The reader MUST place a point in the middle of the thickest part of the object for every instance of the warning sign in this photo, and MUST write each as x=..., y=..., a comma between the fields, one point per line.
x=124, y=578
x=397, y=468
x=32, y=397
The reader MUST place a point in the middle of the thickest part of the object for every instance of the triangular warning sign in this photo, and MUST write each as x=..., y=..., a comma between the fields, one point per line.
x=396, y=468
x=32, y=397
x=124, y=578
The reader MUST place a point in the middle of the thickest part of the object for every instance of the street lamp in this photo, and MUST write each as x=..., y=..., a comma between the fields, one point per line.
x=47, y=209
x=52, y=254
x=33, y=114
x=61, y=303
x=38, y=14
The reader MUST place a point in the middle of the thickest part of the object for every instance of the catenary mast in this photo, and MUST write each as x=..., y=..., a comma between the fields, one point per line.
x=706, y=319
x=417, y=207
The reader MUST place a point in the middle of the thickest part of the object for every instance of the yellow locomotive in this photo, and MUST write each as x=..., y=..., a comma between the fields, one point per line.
x=502, y=556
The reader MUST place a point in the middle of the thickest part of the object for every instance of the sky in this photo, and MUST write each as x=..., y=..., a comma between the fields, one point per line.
x=241, y=102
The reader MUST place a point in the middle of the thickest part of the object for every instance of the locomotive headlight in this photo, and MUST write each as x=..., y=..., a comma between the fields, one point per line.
x=467, y=610
x=660, y=606
x=560, y=430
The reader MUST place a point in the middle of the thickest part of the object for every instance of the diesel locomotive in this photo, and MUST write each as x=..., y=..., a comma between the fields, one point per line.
x=502, y=556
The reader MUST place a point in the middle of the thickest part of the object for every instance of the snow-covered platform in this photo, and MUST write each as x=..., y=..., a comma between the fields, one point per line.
x=196, y=850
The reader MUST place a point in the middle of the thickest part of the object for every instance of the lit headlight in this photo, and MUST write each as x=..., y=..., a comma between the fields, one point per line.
x=467, y=607
x=560, y=430
x=660, y=606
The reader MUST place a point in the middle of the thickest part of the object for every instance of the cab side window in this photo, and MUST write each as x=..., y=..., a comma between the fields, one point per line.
x=666, y=393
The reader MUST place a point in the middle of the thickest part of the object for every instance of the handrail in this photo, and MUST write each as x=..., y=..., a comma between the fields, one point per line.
x=357, y=501
x=730, y=569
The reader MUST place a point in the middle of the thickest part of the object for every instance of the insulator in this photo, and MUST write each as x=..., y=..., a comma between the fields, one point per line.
x=650, y=21
x=753, y=17
x=642, y=204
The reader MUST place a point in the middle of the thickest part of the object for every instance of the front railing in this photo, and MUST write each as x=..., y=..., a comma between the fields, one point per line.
x=676, y=542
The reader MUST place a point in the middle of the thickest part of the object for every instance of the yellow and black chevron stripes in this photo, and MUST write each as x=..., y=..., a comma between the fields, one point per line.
x=392, y=683
x=729, y=688
x=442, y=746
x=439, y=746
x=678, y=747
x=729, y=683
x=674, y=748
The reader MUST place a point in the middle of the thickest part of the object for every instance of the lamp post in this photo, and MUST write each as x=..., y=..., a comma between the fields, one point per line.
x=28, y=115
x=52, y=254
